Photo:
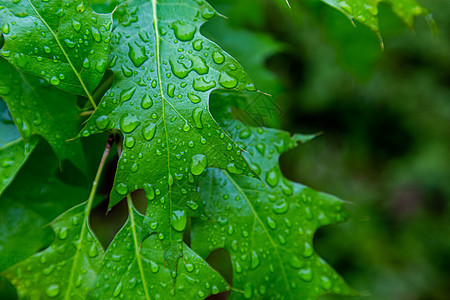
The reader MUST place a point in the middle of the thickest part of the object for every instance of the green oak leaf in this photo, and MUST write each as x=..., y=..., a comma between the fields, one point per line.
x=14, y=152
x=159, y=101
x=43, y=193
x=63, y=41
x=39, y=109
x=366, y=11
x=19, y=224
x=25, y=212
x=267, y=229
x=67, y=268
x=141, y=273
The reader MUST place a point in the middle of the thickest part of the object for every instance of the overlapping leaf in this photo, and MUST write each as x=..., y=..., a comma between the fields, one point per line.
x=37, y=108
x=63, y=41
x=164, y=71
x=267, y=229
x=30, y=203
x=13, y=150
x=140, y=271
x=68, y=268
x=366, y=11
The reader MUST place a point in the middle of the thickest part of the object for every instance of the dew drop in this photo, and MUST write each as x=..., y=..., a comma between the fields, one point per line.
x=126, y=94
x=227, y=81
x=102, y=122
x=149, y=191
x=52, y=290
x=231, y=167
x=149, y=131
x=96, y=35
x=184, y=31
x=54, y=80
x=194, y=98
x=178, y=220
x=122, y=189
x=201, y=85
x=76, y=25
x=129, y=122
x=197, y=115
x=137, y=54
x=272, y=177
x=255, y=260
x=306, y=274
x=146, y=102
x=198, y=164
x=218, y=57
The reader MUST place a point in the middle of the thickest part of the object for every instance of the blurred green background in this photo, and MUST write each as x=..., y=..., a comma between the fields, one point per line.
x=384, y=119
x=385, y=123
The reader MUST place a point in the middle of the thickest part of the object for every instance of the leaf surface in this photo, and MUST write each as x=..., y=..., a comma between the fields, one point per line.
x=39, y=109
x=67, y=268
x=366, y=11
x=141, y=273
x=19, y=224
x=159, y=101
x=13, y=150
x=267, y=228
x=63, y=41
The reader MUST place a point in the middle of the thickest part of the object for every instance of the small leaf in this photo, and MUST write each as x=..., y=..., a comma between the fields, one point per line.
x=14, y=152
x=40, y=109
x=366, y=11
x=267, y=228
x=19, y=224
x=64, y=41
x=68, y=268
x=140, y=270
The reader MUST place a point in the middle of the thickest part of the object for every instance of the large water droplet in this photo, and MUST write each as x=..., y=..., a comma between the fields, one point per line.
x=178, y=220
x=137, y=54
x=52, y=290
x=126, y=94
x=227, y=81
x=149, y=191
x=129, y=122
x=122, y=189
x=102, y=122
x=218, y=57
x=197, y=116
x=306, y=274
x=272, y=177
x=198, y=164
x=202, y=85
x=146, y=102
x=255, y=260
x=149, y=131
x=96, y=34
x=184, y=31
x=194, y=98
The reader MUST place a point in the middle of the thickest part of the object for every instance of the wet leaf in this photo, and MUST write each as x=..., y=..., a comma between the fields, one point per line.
x=141, y=273
x=63, y=41
x=366, y=11
x=159, y=101
x=67, y=268
x=39, y=109
x=267, y=228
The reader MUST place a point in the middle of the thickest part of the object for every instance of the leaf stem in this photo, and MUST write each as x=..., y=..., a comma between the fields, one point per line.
x=109, y=144
x=86, y=214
